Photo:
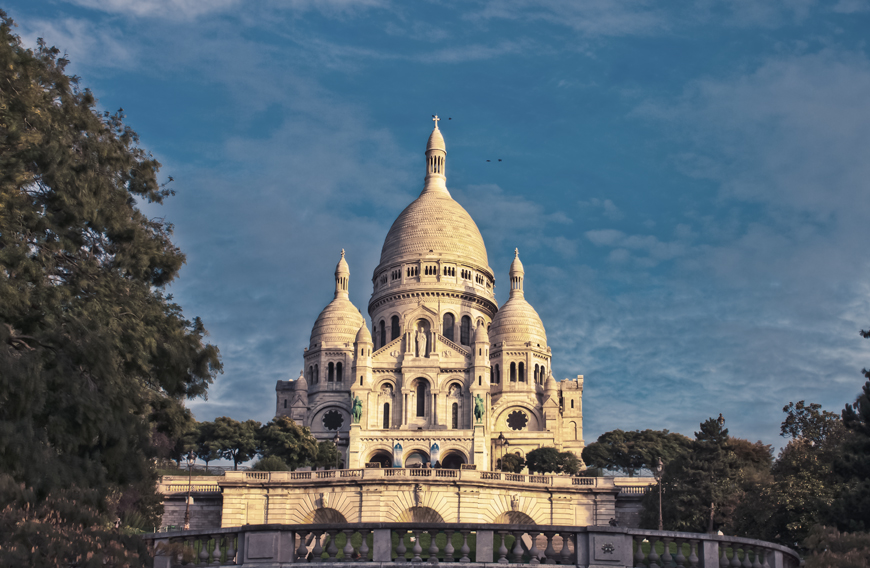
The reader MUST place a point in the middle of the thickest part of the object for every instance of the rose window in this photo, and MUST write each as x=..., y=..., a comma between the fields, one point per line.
x=333, y=420
x=517, y=420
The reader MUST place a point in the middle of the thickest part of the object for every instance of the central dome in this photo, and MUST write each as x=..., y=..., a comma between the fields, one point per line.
x=434, y=223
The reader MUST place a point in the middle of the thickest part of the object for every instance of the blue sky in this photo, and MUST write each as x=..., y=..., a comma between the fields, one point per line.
x=688, y=182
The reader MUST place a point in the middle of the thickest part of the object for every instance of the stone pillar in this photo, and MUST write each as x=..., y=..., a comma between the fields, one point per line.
x=481, y=445
x=353, y=453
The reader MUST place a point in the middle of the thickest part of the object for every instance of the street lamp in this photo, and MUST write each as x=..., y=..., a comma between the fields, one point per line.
x=502, y=443
x=659, y=473
x=335, y=441
x=191, y=459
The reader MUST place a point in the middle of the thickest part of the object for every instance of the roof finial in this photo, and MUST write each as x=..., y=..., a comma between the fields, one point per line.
x=342, y=253
x=516, y=253
x=436, y=119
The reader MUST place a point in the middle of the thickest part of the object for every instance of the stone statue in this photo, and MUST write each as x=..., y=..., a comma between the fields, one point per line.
x=357, y=409
x=418, y=495
x=515, y=502
x=479, y=408
x=421, y=344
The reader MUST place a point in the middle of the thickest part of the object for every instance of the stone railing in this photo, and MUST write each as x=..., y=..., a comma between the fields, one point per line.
x=375, y=544
x=625, y=485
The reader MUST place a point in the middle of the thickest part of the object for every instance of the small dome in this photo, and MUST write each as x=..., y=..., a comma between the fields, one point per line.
x=436, y=141
x=301, y=383
x=480, y=334
x=339, y=322
x=550, y=384
x=342, y=267
x=518, y=322
x=516, y=265
x=363, y=335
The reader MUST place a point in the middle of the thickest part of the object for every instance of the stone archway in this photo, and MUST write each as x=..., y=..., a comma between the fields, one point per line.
x=514, y=518
x=452, y=460
x=416, y=458
x=382, y=457
x=324, y=515
x=419, y=515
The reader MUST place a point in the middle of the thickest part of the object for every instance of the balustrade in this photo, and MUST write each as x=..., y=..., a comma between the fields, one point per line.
x=473, y=544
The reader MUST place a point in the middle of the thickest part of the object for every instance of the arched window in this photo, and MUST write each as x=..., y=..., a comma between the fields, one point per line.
x=330, y=373
x=497, y=375
x=513, y=372
x=394, y=327
x=536, y=373
x=522, y=372
x=449, y=322
x=421, y=398
x=310, y=374
x=360, y=380
x=572, y=404
x=285, y=403
x=386, y=416
x=316, y=373
x=455, y=416
x=338, y=376
x=465, y=331
x=383, y=334
x=480, y=381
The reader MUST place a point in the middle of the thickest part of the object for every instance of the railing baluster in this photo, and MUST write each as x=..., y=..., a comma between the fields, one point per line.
x=302, y=551
x=517, y=552
x=765, y=555
x=723, y=558
x=332, y=549
x=534, y=552
x=639, y=556
x=364, y=546
x=565, y=553
x=317, y=552
x=216, y=552
x=465, y=549
x=735, y=558
x=433, y=543
x=204, y=553
x=418, y=549
x=231, y=549
x=400, y=548
x=756, y=562
x=667, y=559
x=693, y=553
x=348, y=545
x=448, y=548
x=502, y=548
x=746, y=563
x=680, y=558
x=653, y=555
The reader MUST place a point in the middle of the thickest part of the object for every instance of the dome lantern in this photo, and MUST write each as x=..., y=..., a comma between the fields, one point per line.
x=516, y=275
x=436, y=161
x=342, y=276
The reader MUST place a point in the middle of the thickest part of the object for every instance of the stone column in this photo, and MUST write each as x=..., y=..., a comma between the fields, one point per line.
x=481, y=445
x=353, y=450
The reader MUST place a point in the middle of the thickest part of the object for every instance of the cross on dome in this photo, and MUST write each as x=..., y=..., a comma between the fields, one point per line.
x=436, y=119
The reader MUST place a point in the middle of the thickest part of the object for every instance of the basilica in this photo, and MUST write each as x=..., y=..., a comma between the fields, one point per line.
x=445, y=376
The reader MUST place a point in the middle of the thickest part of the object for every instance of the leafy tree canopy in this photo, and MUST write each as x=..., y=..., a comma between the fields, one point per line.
x=271, y=463
x=283, y=438
x=634, y=451
x=94, y=358
x=512, y=463
x=327, y=455
x=551, y=460
x=235, y=440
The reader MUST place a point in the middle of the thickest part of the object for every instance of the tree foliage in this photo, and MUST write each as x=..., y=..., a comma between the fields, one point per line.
x=512, y=463
x=634, y=451
x=283, y=438
x=852, y=506
x=236, y=441
x=327, y=455
x=551, y=460
x=94, y=358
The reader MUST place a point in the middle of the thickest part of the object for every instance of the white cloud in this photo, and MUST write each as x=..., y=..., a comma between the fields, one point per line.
x=88, y=44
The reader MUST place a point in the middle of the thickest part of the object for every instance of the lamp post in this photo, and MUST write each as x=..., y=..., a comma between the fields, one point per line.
x=191, y=459
x=502, y=443
x=335, y=441
x=659, y=473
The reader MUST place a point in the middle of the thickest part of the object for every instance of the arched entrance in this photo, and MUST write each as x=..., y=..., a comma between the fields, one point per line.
x=416, y=458
x=514, y=518
x=324, y=515
x=382, y=457
x=419, y=515
x=452, y=460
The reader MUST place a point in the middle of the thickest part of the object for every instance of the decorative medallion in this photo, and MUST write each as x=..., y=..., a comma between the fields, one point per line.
x=517, y=420
x=608, y=548
x=333, y=420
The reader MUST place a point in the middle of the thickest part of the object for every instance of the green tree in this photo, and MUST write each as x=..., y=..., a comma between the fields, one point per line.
x=271, y=463
x=283, y=438
x=236, y=440
x=512, y=463
x=327, y=455
x=205, y=444
x=92, y=352
x=551, y=460
x=852, y=507
x=634, y=451
x=700, y=485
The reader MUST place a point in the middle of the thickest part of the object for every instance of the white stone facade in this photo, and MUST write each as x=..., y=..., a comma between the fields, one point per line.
x=439, y=341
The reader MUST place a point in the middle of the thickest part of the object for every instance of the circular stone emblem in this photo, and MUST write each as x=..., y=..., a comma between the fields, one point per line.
x=517, y=420
x=333, y=420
